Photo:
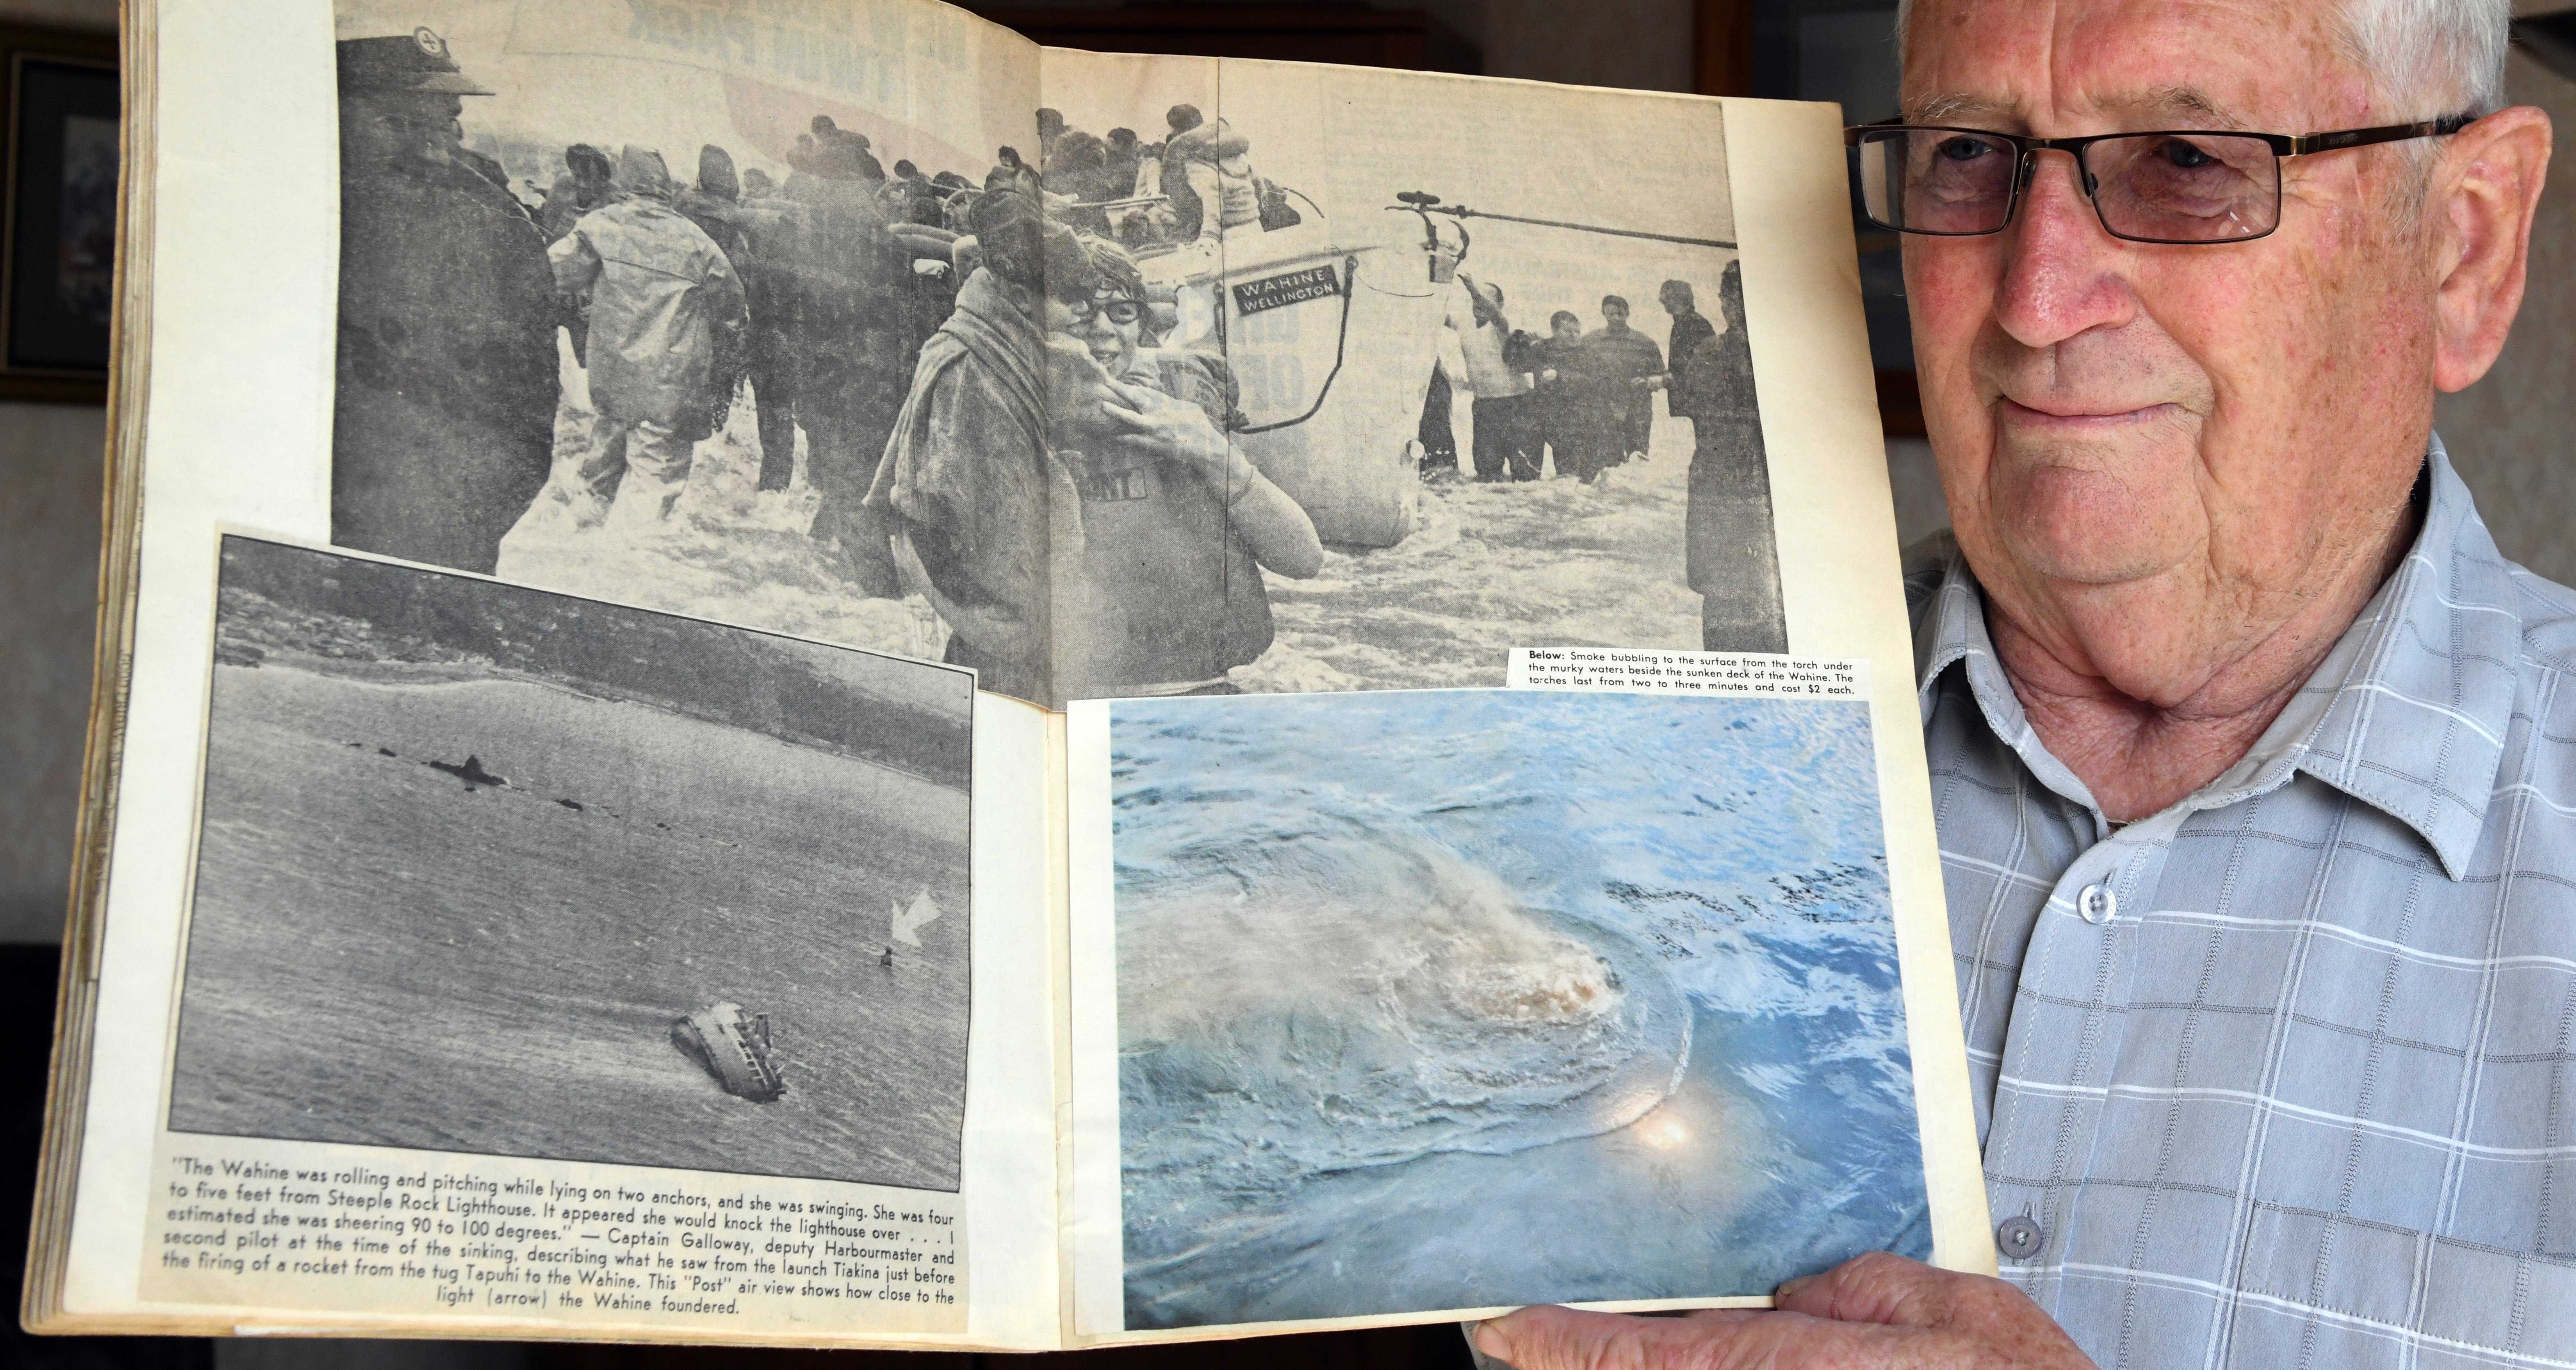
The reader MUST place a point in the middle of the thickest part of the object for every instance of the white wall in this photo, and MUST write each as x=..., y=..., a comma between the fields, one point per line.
x=2513, y=434
x=49, y=522
x=49, y=518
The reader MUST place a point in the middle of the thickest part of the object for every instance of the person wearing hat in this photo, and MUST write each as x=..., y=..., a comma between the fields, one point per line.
x=667, y=320
x=443, y=414
x=714, y=203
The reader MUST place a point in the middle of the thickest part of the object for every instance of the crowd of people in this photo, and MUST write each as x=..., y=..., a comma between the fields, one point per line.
x=1584, y=398
x=988, y=421
x=1584, y=402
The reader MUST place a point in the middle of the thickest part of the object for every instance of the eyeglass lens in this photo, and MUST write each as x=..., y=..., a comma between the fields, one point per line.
x=2152, y=187
x=1119, y=311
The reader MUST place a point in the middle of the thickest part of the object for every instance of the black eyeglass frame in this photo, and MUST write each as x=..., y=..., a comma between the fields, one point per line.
x=2026, y=152
x=1086, y=308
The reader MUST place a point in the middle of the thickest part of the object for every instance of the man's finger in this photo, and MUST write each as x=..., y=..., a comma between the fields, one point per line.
x=1723, y=1314
x=1877, y=1288
x=1549, y=1338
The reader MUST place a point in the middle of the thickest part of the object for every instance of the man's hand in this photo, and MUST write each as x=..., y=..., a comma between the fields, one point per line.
x=1876, y=1310
x=1176, y=430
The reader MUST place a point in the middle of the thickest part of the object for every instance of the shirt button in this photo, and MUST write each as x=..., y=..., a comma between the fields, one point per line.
x=2097, y=905
x=2019, y=1238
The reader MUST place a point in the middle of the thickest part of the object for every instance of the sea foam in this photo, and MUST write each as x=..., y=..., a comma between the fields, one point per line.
x=1292, y=1003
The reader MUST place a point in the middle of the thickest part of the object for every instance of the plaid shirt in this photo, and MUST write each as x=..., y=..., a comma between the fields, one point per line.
x=2286, y=1074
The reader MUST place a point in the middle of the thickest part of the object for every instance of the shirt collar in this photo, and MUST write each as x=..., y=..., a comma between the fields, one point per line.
x=2407, y=713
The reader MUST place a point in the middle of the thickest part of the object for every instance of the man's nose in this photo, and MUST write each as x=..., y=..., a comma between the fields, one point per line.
x=2063, y=273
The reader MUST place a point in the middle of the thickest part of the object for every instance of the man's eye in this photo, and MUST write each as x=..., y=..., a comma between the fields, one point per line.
x=2183, y=154
x=1966, y=149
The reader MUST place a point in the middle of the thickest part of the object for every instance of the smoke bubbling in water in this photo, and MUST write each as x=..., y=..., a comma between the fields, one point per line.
x=1297, y=1003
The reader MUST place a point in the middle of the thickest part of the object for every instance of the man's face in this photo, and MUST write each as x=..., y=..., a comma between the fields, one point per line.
x=2206, y=420
x=382, y=126
x=1675, y=303
x=1615, y=315
x=1568, y=330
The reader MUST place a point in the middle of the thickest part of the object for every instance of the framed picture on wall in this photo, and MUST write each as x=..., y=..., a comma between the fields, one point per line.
x=58, y=237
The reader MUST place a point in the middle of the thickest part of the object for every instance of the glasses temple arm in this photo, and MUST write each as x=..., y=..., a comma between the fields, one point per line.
x=2389, y=133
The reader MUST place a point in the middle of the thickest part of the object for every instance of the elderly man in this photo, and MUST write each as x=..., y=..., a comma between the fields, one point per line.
x=2254, y=762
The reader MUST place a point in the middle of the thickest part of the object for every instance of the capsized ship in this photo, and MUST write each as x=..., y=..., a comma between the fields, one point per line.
x=734, y=1047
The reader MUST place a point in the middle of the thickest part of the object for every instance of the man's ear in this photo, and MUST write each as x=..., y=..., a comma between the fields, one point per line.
x=2485, y=192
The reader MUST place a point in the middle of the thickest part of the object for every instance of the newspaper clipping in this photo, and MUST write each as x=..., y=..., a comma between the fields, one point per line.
x=1341, y=381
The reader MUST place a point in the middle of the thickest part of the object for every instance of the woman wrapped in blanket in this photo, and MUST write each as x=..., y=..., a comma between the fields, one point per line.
x=1177, y=525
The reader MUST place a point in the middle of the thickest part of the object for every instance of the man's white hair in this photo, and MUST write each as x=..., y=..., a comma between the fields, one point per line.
x=2426, y=58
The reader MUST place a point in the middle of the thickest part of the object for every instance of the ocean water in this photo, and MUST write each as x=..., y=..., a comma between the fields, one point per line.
x=1442, y=1000
x=378, y=954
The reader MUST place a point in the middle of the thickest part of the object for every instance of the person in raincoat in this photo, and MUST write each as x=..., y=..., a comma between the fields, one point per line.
x=443, y=415
x=1732, y=552
x=969, y=498
x=667, y=323
x=855, y=341
x=771, y=232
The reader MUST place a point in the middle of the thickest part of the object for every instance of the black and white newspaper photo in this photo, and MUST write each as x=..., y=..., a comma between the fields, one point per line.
x=1480, y=356
x=1093, y=382
x=493, y=870
x=496, y=872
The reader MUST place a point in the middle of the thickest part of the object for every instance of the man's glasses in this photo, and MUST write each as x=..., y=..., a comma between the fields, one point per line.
x=1119, y=312
x=2173, y=186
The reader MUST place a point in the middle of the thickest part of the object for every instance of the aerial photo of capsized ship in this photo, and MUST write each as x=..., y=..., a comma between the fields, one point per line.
x=492, y=870
x=1406, y=977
